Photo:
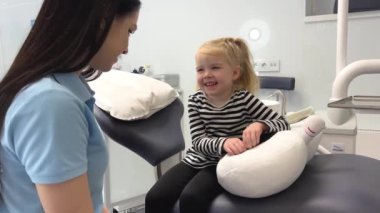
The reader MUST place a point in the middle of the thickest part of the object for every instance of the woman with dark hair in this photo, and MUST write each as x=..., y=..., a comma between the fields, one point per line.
x=52, y=154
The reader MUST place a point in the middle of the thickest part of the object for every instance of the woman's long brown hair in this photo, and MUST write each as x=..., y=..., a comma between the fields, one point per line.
x=64, y=38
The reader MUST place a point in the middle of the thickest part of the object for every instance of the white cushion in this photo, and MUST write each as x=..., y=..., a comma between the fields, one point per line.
x=129, y=96
x=270, y=167
x=313, y=144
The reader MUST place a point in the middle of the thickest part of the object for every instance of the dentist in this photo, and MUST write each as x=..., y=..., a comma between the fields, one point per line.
x=52, y=154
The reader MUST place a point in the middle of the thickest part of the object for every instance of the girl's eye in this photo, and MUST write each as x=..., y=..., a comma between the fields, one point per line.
x=130, y=31
x=199, y=70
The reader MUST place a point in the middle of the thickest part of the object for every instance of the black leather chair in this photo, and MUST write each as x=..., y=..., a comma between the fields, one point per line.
x=277, y=82
x=154, y=139
x=335, y=183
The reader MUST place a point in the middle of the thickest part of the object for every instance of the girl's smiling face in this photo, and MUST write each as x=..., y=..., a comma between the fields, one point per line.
x=216, y=77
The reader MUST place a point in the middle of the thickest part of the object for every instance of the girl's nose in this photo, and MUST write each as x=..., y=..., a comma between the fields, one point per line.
x=207, y=73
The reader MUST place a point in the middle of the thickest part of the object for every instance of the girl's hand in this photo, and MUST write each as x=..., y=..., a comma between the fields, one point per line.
x=251, y=134
x=234, y=146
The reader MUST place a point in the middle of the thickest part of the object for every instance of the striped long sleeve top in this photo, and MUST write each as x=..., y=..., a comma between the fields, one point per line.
x=210, y=126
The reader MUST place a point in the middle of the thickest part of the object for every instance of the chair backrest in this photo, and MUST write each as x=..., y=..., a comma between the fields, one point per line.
x=154, y=139
x=274, y=82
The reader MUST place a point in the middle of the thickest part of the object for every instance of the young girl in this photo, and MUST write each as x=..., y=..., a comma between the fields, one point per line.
x=225, y=118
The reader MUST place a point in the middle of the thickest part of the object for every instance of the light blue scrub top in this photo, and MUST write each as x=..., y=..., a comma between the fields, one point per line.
x=50, y=136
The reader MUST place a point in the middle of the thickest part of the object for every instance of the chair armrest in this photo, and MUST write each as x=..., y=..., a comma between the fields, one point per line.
x=154, y=139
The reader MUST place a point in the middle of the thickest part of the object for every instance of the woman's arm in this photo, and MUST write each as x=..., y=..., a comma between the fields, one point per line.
x=70, y=196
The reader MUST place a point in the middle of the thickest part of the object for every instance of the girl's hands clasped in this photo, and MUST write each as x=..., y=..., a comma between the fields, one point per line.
x=251, y=138
x=234, y=146
x=251, y=134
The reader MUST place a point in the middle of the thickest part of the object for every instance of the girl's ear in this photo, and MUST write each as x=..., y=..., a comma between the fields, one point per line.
x=236, y=73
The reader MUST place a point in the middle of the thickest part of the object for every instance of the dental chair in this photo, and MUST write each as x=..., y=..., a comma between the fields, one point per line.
x=330, y=183
x=154, y=139
x=158, y=140
x=339, y=183
x=333, y=183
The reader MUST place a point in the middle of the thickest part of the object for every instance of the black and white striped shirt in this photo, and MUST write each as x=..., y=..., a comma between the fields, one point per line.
x=210, y=126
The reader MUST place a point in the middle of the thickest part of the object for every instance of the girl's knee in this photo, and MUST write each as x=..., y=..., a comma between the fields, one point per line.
x=192, y=202
x=153, y=197
x=190, y=198
x=157, y=201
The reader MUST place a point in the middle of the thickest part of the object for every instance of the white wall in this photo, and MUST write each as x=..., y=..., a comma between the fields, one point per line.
x=15, y=23
x=170, y=31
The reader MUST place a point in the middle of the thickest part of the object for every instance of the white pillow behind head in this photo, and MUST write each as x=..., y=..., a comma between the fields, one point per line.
x=129, y=96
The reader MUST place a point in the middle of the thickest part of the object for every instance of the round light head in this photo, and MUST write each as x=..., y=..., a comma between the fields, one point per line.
x=254, y=34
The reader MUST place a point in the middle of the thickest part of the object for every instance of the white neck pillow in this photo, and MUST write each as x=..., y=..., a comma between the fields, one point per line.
x=128, y=96
x=272, y=166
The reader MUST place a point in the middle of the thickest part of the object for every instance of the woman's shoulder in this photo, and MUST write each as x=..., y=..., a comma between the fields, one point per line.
x=43, y=93
x=48, y=87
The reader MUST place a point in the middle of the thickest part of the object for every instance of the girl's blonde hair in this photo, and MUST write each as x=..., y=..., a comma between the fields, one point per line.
x=237, y=53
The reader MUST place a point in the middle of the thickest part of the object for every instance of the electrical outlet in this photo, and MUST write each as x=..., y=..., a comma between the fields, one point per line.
x=262, y=65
